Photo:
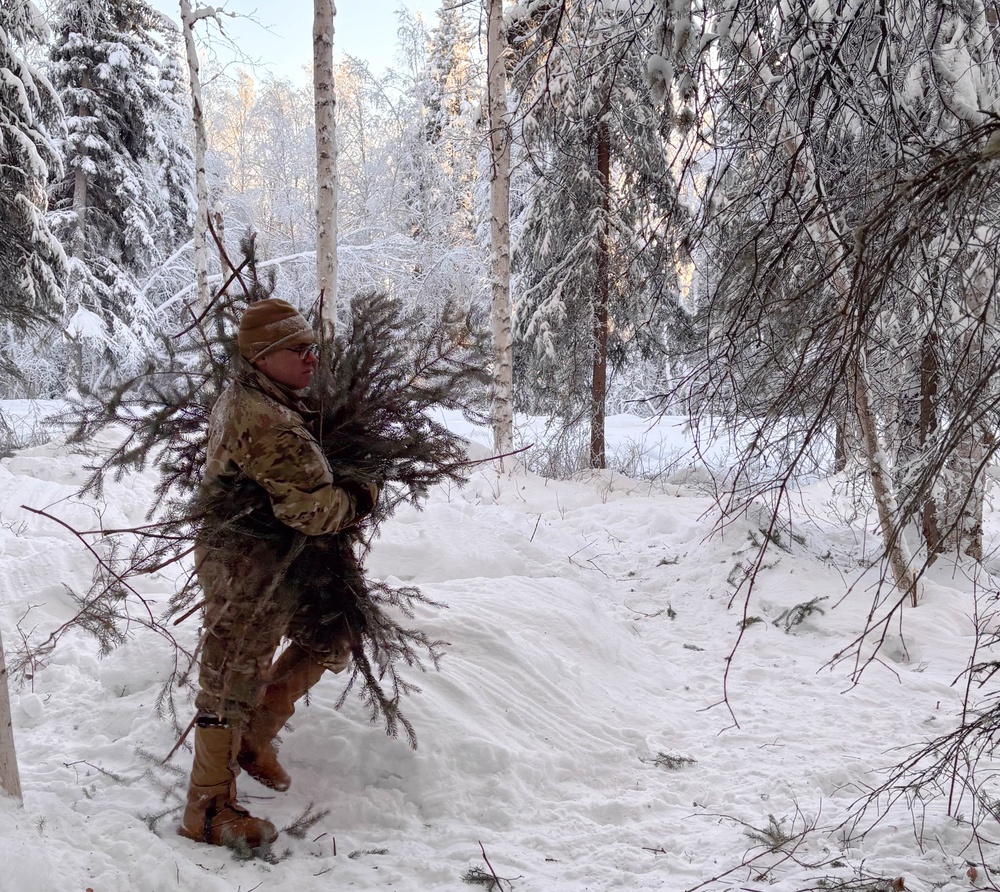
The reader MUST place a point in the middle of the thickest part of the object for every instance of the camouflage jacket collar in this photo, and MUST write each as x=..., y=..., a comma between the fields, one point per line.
x=249, y=376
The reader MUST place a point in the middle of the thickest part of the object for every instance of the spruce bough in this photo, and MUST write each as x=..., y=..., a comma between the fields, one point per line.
x=376, y=390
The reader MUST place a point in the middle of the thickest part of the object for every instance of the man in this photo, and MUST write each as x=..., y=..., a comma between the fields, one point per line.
x=259, y=432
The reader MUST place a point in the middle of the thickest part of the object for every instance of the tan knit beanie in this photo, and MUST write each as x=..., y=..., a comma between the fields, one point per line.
x=271, y=325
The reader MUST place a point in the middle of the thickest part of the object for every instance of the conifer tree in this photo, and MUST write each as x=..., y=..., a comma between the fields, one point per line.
x=452, y=92
x=171, y=158
x=106, y=208
x=32, y=260
x=436, y=158
x=595, y=260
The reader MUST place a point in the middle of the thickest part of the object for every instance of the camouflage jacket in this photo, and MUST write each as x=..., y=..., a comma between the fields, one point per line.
x=260, y=429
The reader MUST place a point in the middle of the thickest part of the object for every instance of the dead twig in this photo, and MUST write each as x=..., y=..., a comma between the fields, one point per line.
x=482, y=848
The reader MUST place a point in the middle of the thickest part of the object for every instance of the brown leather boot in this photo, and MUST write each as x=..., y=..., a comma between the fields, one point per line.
x=263, y=766
x=211, y=814
x=294, y=673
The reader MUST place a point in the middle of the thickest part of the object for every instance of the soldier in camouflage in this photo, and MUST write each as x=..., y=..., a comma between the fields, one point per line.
x=260, y=431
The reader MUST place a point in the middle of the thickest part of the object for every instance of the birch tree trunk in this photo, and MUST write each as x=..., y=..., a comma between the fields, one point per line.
x=326, y=164
x=496, y=93
x=841, y=449
x=188, y=20
x=885, y=498
x=10, y=779
x=874, y=453
x=929, y=375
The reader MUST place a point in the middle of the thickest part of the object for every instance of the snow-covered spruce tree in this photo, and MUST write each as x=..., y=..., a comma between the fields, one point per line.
x=377, y=389
x=263, y=150
x=434, y=153
x=851, y=222
x=171, y=159
x=449, y=87
x=595, y=262
x=32, y=261
x=106, y=207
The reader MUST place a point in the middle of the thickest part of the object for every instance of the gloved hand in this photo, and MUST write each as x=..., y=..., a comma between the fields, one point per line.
x=368, y=498
x=365, y=494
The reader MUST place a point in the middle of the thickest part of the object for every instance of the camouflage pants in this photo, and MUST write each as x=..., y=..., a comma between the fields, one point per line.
x=247, y=613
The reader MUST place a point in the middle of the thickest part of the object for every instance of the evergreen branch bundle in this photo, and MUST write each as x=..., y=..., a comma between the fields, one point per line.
x=163, y=411
x=376, y=396
x=376, y=393
x=377, y=388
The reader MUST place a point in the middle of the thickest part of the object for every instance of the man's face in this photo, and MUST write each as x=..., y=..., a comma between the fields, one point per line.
x=292, y=367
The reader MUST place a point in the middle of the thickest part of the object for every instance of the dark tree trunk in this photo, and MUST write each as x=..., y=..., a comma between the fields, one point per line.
x=602, y=290
x=928, y=425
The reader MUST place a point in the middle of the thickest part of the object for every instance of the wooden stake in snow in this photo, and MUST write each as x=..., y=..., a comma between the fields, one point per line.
x=10, y=780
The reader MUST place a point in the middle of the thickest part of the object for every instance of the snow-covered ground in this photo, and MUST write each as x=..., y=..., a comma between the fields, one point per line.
x=574, y=733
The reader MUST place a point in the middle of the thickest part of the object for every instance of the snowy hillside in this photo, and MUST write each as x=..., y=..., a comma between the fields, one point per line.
x=574, y=733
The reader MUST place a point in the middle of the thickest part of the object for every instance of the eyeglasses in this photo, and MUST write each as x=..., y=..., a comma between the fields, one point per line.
x=306, y=351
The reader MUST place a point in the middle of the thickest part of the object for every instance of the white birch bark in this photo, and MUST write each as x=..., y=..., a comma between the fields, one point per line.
x=326, y=164
x=188, y=20
x=496, y=97
x=10, y=779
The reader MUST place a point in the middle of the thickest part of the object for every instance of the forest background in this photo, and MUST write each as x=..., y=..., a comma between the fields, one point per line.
x=778, y=218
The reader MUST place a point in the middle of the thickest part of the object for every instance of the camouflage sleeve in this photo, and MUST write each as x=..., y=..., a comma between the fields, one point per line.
x=289, y=465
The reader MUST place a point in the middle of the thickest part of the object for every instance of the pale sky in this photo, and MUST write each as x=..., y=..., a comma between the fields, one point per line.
x=282, y=42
